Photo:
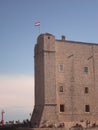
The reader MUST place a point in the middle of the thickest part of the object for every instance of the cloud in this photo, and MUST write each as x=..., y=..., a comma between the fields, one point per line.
x=16, y=94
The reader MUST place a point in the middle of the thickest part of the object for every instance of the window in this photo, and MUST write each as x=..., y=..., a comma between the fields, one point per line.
x=85, y=69
x=87, y=108
x=61, y=89
x=61, y=107
x=86, y=89
x=48, y=37
x=61, y=68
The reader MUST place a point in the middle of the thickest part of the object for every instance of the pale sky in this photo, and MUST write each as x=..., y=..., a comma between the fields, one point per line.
x=76, y=19
x=16, y=96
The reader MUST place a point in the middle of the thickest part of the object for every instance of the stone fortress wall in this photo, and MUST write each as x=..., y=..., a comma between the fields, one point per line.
x=66, y=86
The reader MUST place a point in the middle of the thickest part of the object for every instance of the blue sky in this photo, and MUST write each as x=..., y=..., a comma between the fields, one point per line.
x=76, y=19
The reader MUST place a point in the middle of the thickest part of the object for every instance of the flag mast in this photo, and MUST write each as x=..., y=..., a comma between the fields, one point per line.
x=39, y=29
x=38, y=24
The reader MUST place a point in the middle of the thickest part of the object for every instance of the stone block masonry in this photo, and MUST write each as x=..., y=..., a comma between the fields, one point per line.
x=66, y=82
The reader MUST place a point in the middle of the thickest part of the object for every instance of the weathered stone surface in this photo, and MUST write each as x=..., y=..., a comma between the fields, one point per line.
x=73, y=65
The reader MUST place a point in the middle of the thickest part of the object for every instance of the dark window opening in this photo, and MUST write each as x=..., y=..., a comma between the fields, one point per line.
x=87, y=108
x=86, y=89
x=61, y=67
x=61, y=89
x=86, y=69
x=48, y=37
x=61, y=108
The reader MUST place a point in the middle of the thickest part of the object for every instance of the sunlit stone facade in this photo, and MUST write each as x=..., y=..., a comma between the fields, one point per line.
x=66, y=81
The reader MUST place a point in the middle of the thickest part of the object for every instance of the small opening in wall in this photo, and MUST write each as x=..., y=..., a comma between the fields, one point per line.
x=87, y=108
x=61, y=107
x=61, y=89
x=61, y=67
x=86, y=89
x=86, y=69
x=48, y=37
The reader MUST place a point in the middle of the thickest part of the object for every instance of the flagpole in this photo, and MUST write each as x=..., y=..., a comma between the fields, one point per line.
x=39, y=29
x=38, y=24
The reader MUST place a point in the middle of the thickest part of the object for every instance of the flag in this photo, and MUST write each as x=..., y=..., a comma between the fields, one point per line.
x=37, y=23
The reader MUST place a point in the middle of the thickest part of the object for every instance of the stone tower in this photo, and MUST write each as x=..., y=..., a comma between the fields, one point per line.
x=66, y=87
x=45, y=87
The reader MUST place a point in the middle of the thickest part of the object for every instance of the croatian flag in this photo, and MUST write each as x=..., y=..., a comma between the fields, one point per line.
x=37, y=23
